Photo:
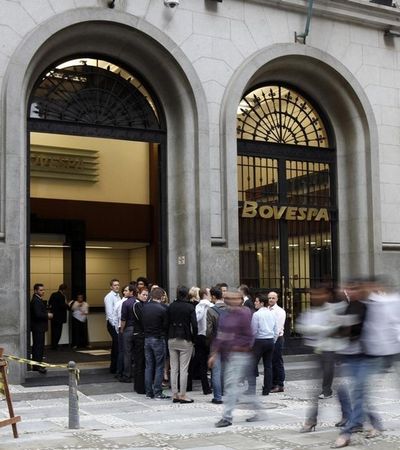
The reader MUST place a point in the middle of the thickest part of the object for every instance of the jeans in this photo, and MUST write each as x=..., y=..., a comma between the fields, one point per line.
x=359, y=368
x=236, y=368
x=216, y=378
x=263, y=348
x=326, y=366
x=278, y=370
x=154, y=351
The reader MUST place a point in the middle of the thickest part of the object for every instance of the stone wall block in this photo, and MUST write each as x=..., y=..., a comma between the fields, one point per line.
x=339, y=40
x=368, y=75
x=390, y=154
x=364, y=35
x=353, y=57
x=60, y=6
x=228, y=52
x=176, y=23
x=214, y=91
x=198, y=46
x=379, y=57
x=242, y=38
x=216, y=225
x=211, y=25
x=390, y=193
x=8, y=42
x=391, y=116
x=389, y=135
x=390, y=173
x=138, y=9
x=16, y=17
x=39, y=10
x=381, y=95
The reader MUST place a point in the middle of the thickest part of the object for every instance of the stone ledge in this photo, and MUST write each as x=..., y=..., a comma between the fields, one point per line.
x=355, y=11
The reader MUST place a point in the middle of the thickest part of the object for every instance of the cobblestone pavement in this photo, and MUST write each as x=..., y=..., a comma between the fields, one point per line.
x=126, y=420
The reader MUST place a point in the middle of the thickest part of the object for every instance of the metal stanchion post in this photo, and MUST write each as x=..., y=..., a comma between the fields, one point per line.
x=73, y=422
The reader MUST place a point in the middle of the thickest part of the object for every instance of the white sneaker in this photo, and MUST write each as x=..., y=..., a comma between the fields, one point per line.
x=324, y=397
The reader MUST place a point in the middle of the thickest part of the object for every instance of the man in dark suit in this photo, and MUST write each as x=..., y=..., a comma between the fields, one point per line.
x=58, y=307
x=39, y=324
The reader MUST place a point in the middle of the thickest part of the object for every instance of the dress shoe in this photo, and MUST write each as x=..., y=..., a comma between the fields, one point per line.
x=223, y=423
x=341, y=422
x=186, y=400
x=254, y=418
x=176, y=400
x=265, y=392
x=41, y=370
x=217, y=402
x=207, y=392
x=125, y=380
x=277, y=389
x=357, y=429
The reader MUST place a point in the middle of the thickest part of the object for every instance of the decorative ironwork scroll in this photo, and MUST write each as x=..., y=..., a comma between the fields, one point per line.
x=280, y=115
x=93, y=92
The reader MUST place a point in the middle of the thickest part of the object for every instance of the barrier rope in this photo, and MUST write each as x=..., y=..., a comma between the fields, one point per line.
x=36, y=363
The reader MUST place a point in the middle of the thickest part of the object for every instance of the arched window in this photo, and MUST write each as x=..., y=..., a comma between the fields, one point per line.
x=281, y=115
x=93, y=92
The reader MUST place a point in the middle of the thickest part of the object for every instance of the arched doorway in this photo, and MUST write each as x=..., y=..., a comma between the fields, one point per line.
x=97, y=199
x=287, y=195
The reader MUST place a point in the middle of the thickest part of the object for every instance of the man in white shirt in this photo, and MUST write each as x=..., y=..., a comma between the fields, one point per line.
x=110, y=301
x=278, y=370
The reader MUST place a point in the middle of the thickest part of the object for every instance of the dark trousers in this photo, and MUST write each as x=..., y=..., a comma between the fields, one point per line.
x=120, y=359
x=56, y=331
x=202, y=351
x=278, y=370
x=38, y=345
x=114, y=347
x=138, y=368
x=128, y=348
x=263, y=348
x=327, y=365
x=80, y=337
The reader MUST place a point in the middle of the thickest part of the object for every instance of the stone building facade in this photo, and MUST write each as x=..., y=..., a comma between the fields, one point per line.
x=200, y=58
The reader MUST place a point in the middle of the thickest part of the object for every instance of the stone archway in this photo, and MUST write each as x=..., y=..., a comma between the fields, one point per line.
x=345, y=104
x=167, y=70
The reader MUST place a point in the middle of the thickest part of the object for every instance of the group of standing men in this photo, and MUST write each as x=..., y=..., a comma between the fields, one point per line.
x=221, y=326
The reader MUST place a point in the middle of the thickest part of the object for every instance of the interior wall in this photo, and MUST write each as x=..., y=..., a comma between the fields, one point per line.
x=119, y=181
x=101, y=266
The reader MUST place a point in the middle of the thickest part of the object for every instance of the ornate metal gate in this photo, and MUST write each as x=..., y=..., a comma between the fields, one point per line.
x=286, y=192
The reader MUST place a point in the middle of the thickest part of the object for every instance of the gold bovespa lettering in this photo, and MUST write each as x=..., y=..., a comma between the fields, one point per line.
x=266, y=212
x=279, y=213
x=302, y=214
x=249, y=209
x=311, y=213
x=322, y=215
x=291, y=213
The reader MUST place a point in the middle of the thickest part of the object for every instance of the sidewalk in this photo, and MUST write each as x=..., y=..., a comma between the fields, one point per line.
x=126, y=420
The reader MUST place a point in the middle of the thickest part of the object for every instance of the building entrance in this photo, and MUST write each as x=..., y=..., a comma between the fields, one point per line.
x=97, y=137
x=287, y=197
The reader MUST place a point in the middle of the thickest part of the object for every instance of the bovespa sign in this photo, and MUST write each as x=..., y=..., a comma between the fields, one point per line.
x=253, y=209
